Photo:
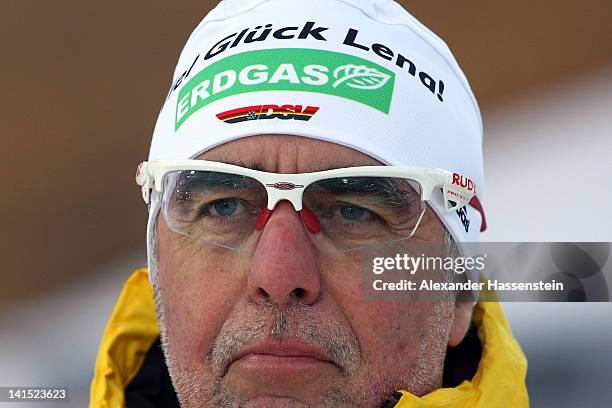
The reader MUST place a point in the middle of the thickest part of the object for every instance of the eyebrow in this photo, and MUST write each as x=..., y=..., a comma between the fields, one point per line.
x=211, y=180
x=253, y=165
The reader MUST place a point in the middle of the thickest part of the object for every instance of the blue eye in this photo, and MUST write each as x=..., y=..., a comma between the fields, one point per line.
x=353, y=212
x=224, y=208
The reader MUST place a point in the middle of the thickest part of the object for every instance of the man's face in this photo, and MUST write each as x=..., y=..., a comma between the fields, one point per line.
x=283, y=325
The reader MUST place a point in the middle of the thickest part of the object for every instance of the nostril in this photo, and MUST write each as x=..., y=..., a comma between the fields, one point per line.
x=261, y=292
x=297, y=293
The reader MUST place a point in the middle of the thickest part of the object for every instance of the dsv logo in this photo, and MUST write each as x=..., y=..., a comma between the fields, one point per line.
x=256, y=112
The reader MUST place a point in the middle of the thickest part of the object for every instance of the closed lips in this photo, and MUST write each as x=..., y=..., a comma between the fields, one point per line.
x=289, y=351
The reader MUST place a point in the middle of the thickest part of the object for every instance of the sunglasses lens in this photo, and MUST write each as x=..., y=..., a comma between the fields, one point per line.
x=360, y=211
x=219, y=208
x=352, y=212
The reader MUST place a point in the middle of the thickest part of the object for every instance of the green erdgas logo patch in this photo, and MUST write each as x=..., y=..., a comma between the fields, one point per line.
x=288, y=69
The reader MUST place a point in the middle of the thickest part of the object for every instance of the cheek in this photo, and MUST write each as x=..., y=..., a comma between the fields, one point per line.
x=199, y=286
x=388, y=331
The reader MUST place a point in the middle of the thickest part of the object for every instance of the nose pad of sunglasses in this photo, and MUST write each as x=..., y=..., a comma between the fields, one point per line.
x=262, y=219
x=310, y=220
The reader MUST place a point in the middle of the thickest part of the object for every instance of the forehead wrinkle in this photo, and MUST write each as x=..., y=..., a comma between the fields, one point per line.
x=320, y=165
x=288, y=154
x=233, y=157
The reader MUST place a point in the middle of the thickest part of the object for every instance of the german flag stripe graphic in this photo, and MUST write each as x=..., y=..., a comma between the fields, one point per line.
x=239, y=111
x=257, y=112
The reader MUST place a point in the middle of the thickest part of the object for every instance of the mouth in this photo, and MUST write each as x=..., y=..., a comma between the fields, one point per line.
x=281, y=369
x=282, y=355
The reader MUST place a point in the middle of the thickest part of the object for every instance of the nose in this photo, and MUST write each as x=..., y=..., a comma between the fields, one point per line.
x=283, y=268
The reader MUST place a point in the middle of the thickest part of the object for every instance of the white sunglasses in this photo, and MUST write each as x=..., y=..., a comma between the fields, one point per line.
x=356, y=206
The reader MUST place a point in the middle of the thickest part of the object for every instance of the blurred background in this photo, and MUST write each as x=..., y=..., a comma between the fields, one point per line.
x=82, y=84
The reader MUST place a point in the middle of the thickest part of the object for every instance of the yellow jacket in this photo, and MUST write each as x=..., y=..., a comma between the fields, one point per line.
x=130, y=371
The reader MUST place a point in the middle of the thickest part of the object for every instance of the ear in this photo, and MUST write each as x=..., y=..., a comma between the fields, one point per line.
x=461, y=322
